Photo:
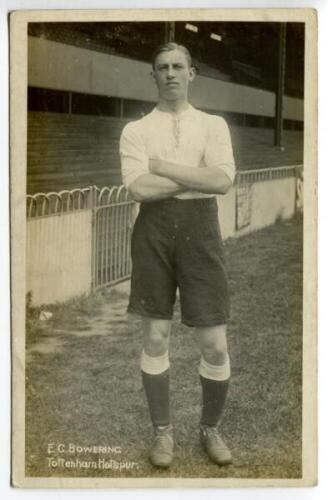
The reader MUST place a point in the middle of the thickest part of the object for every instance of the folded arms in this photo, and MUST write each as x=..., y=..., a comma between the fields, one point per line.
x=169, y=179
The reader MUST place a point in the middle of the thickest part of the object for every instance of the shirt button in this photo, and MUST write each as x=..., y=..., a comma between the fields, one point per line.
x=188, y=238
x=176, y=226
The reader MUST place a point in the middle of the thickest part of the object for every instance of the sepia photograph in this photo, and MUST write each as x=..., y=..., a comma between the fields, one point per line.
x=163, y=177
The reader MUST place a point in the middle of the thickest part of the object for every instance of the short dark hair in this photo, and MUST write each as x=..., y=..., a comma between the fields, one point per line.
x=167, y=47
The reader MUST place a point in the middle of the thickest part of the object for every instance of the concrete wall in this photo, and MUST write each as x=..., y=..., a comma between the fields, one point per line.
x=270, y=200
x=227, y=213
x=58, y=256
x=63, y=67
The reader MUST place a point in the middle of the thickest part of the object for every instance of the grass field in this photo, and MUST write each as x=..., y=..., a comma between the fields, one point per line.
x=83, y=384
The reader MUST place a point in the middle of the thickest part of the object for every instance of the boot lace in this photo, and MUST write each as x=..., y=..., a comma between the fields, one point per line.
x=162, y=436
x=212, y=433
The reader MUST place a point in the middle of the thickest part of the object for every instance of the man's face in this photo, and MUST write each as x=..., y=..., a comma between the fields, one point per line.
x=173, y=74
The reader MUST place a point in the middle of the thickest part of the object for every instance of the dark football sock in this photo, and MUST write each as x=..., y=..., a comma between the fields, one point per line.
x=157, y=392
x=214, y=396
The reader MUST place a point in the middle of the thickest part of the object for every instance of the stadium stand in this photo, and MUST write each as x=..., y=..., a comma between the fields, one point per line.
x=74, y=124
x=73, y=151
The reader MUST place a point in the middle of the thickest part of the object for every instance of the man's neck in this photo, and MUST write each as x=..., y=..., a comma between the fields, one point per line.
x=174, y=107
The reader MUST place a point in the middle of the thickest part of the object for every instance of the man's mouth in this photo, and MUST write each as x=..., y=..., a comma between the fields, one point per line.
x=172, y=83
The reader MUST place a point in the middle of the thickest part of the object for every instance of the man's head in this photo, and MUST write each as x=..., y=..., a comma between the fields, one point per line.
x=173, y=71
x=167, y=47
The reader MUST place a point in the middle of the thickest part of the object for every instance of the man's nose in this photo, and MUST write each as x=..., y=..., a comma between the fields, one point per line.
x=170, y=72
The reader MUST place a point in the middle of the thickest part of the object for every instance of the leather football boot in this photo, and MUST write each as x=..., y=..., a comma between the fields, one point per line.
x=214, y=445
x=161, y=453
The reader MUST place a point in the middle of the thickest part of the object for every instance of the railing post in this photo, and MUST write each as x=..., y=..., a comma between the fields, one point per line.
x=93, y=204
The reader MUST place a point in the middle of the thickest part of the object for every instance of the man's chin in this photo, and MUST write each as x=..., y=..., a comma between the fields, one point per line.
x=172, y=95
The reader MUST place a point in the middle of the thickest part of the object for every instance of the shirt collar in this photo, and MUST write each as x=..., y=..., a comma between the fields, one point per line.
x=186, y=113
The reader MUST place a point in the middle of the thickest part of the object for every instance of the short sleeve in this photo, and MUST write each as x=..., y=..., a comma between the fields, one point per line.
x=134, y=160
x=218, y=151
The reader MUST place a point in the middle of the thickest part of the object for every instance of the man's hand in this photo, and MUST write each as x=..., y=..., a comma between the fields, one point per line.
x=152, y=187
x=211, y=180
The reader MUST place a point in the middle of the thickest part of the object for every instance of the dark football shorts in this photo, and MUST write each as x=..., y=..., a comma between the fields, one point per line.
x=177, y=244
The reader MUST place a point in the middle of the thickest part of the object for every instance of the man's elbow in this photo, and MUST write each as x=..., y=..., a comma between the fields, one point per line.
x=136, y=191
x=221, y=182
x=225, y=185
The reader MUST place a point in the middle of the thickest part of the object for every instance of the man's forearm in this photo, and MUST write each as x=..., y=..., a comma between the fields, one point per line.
x=206, y=179
x=152, y=187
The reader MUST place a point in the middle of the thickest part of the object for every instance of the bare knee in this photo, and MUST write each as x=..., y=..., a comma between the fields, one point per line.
x=213, y=344
x=156, y=336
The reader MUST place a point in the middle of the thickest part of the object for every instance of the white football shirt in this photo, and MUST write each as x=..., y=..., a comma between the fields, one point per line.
x=191, y=138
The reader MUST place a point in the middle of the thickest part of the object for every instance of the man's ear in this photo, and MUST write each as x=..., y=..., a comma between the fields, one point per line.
x=192, y=73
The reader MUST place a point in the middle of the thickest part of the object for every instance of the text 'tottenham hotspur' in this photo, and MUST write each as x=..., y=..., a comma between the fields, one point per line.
x=101, y=463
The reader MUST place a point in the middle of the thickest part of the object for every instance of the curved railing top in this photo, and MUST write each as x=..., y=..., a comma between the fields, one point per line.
x=263, y=174
x=56, y=203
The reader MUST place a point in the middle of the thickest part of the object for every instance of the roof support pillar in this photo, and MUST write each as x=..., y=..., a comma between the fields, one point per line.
x=169, y=32
x=279, y=119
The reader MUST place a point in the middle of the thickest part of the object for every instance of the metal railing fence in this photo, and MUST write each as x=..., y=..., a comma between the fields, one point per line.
x=56, y=203
x=112, y=217
x=113, y=222
x=267, y=174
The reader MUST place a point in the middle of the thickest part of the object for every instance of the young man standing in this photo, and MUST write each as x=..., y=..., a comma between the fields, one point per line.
x=175, y=160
